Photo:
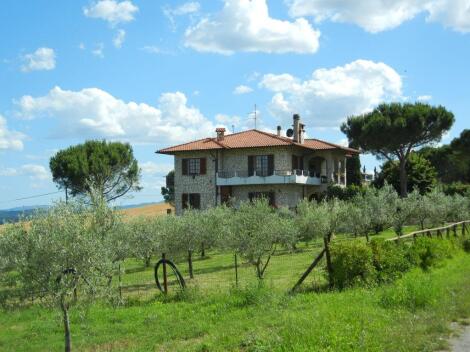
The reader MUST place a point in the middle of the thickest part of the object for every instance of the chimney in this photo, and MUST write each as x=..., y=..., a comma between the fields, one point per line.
x=278, y=131
x=299, y=130
x=220, y=133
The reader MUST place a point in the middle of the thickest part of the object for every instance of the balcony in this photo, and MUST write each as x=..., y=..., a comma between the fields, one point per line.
x=300, y=177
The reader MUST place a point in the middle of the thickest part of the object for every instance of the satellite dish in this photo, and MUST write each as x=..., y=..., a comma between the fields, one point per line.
x=290, y=132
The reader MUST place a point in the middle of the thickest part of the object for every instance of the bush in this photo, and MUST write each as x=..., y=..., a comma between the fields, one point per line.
x=413, y=292
x=428, y=252
x=466, y=245
x=389, y=259
x=352, y=263
x=452, y=189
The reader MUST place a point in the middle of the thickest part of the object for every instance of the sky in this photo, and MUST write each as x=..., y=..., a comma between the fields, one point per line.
x=158, y=73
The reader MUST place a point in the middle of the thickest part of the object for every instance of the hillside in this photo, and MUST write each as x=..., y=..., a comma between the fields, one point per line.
x=148, y=210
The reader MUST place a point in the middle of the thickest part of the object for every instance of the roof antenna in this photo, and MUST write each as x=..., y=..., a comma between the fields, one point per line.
x=233, y=128
x=255, y=116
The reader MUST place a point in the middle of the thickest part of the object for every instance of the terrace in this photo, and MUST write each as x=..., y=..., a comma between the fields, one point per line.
x=301, y=177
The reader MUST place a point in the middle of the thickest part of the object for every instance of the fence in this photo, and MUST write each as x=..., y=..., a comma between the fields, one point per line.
x=439, y=231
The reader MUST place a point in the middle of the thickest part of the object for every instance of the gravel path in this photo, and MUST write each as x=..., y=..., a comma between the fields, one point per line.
x=461, y=343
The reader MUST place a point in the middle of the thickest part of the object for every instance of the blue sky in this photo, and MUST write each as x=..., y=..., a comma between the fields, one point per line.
x=157, y=73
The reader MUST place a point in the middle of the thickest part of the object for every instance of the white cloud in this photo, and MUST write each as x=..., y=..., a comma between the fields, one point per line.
x=95, y=113
x=10, y=140
x=34, y=171
x=379, y=15
x=98, y=50
x=187, y=8
x=43, y=59
x=112, y=11
x=153, y=49
x=331, y=95
x=242, y=89
x=424, y=98
x=451, y=13
x=153, y=168
x=245, y=25
x=118, y=40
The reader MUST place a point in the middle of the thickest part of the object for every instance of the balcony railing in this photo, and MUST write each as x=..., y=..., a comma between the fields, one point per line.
x=305, y=177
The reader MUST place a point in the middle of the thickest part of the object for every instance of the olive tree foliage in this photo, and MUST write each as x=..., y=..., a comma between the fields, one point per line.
x=254, y=235
x=61, y=257
x=381, y=205
x=359, y=217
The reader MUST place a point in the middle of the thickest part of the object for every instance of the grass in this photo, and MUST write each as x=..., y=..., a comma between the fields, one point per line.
x=410, y=315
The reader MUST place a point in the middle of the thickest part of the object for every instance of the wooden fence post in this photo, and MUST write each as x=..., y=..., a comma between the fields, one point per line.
x=448, y=232
x=190, y=264
x=328, y=261
x=463, y=229
x=165, y=278
x=455, y=230
x=439, y=233
x=236, y=270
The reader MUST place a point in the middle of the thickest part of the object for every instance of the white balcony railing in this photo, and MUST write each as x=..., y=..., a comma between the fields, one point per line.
x=234, y=178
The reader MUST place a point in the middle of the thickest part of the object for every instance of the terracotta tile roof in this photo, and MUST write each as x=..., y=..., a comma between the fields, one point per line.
x=250, y=139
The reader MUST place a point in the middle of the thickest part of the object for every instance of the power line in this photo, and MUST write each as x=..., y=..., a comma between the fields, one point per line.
x=30, y=197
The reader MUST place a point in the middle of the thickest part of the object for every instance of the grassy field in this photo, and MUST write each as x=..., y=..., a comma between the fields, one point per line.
x=410, y=315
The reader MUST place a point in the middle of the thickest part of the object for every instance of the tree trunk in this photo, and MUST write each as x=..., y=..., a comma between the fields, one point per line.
x=147, y=261
x=68, y=340
x=190, y=264
x=403, y=178
x=203, y=250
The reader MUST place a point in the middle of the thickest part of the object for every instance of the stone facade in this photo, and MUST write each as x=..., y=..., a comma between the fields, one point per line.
x=333, y=163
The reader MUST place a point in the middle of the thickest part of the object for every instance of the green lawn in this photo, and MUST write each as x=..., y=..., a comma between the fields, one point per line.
x=411, y=315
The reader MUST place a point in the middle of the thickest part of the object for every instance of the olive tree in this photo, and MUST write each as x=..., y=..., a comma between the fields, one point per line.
x=253, y=235
x=61, y=254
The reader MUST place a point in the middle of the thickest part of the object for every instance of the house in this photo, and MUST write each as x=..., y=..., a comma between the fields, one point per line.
x=242, y=166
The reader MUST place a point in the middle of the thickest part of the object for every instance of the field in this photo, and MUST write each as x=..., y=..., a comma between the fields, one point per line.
x=411, y=315
x=148, y=210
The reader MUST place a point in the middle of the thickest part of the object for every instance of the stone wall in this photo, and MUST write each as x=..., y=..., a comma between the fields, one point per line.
x=202, y=184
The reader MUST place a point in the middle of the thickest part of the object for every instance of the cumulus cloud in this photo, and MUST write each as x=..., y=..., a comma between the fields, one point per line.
x=379, y=15
x=10, y=140
x=245, y=25
x=34, y=171
x=112, y=11
x=118, y=40
x=153, y=168
x=98, y=50
x=92, y=112
x=43, y=59
x=242, y=89
x=330, y=95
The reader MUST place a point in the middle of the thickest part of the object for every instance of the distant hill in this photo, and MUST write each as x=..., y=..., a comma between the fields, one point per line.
x=133, y=210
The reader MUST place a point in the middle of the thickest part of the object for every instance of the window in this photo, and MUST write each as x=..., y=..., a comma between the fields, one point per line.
x=263, y=165
x=191, y=200
x=270, y=196
x=194, y=166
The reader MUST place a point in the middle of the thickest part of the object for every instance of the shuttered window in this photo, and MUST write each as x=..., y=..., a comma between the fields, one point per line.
x=194, y=166
x=263, y=165
x=191, y=200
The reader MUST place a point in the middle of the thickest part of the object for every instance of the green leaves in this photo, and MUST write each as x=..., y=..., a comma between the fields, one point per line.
x=107, y=167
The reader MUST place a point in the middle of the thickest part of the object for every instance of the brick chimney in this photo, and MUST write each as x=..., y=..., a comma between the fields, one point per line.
x=220, y=133
x=278, y=131
x=299, y=130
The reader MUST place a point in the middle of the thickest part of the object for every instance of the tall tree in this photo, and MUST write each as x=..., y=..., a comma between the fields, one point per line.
x=108, y=168
x=168, y=192
x=420, y=173
x=393, y=131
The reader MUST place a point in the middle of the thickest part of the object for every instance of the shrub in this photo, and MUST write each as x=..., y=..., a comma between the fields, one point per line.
x=413, y=292
x=428, y=252
x=389, y=259
x=466, y=245
x=352, y=263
